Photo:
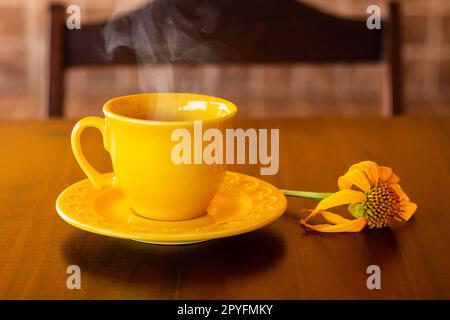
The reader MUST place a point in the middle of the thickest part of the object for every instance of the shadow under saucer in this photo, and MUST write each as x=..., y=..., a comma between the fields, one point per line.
x=159, y=269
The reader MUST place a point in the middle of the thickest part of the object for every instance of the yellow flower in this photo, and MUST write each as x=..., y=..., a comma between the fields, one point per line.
x=380, y=202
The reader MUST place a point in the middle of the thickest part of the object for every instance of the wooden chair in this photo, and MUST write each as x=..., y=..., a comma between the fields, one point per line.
x=251, y=31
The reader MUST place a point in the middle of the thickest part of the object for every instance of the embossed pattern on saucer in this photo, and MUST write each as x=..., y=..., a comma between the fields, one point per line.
x=243, y=204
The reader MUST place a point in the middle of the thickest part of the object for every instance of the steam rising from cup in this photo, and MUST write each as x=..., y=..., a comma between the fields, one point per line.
x=166, y=32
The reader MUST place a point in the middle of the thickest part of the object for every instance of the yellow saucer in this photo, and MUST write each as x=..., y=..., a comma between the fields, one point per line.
x=243, y=204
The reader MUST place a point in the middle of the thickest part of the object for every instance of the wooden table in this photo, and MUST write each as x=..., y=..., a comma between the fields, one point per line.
x=280, y=261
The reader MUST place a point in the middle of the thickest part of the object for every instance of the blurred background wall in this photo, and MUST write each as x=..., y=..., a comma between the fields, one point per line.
x=260, y=90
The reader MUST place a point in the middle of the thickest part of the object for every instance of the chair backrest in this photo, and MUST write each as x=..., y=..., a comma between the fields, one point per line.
x=225, y=31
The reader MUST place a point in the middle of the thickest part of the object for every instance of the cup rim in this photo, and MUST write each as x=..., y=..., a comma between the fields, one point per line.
x=108, y=113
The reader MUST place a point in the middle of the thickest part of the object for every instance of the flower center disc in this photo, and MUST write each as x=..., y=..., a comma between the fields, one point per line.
x=382, y=206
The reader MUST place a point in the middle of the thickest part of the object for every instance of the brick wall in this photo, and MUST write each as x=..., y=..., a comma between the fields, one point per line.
x=23, y=53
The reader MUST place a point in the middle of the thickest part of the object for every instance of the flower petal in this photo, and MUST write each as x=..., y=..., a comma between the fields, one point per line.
x=333, y=218
x=393, y=179
x=407, y=210
x=354, y=177
x=370, y=168
x=340, y=198
x=385, y=173
x=398, y=190
x=354, y=225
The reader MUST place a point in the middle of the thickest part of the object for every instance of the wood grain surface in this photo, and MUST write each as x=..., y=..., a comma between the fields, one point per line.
x=280, y=261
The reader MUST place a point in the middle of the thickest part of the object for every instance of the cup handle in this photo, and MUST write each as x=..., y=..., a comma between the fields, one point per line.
x=99, y=180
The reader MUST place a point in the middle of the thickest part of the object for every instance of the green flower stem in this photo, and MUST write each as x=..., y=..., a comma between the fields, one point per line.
x=306, y=194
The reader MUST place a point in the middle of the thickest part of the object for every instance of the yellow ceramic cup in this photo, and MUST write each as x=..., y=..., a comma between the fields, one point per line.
x=137, y=132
